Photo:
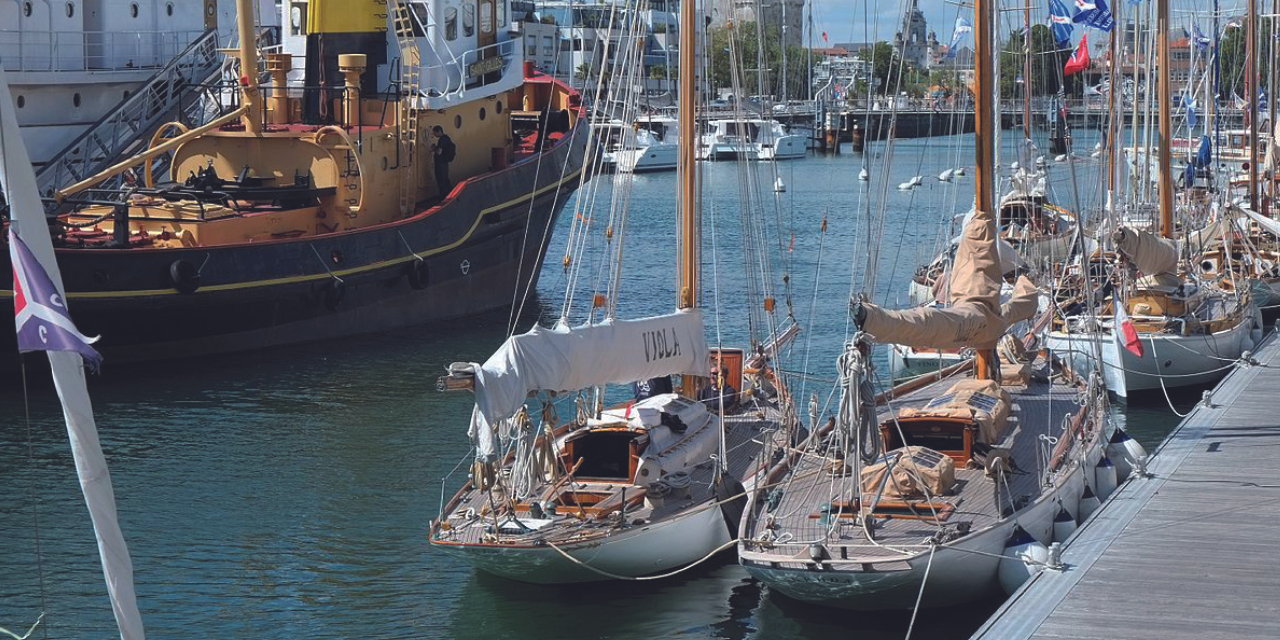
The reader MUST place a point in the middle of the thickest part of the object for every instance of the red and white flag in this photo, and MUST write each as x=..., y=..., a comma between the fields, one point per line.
x=1079, y=59
x=1126, y=333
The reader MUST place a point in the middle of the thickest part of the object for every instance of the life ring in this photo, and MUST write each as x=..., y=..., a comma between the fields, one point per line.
x=185, y=276
x=334, y=292
x=419, y=276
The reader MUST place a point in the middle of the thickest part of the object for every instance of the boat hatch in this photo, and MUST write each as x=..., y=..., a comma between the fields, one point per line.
x=933, y=511
x=953, y=436
x=605, y=454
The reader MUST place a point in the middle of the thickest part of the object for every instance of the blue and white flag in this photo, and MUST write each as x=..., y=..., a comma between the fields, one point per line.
x=1093, y=13
x=41, y=312
x=963, y=29
x=1198, y=37
x=1060, y=20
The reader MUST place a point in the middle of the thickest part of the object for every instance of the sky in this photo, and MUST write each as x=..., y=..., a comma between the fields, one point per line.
x=848, y=20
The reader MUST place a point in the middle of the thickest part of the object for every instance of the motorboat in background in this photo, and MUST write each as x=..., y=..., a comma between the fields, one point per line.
x=750, y=139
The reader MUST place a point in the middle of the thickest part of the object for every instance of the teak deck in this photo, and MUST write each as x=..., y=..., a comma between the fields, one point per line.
x=1189, y=552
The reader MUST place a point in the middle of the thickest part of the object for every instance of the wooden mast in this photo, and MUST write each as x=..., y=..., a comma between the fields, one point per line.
x=984, y=131
x=1113, y=127
x=687, y=214
x=1251, y=85
x=1163, y=91
x=687, y=209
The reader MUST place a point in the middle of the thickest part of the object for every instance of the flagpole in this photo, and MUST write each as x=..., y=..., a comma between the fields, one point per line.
x=18, y=180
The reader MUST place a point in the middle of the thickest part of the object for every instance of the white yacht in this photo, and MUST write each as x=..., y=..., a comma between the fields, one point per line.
x=750, y=139
x=652, y=146
x=70, y=63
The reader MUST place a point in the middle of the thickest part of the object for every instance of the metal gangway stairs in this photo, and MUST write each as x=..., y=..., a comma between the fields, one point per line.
x=182, y=90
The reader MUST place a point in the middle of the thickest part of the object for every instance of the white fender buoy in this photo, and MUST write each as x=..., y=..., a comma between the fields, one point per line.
x=1089, y=503
x=1015, y=166
x=1063, y=525
x=779, y=186
x=1105, y=476
x=1061, y=158
x=959, y=171
x=1040, y=161
x=1122, y=450
x=863, y=175
x=904, y=186
x=1023, y=558
x=916, y=181
x=945, y=176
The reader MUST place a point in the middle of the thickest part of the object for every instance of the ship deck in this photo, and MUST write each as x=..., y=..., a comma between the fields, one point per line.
x=1037, y=408
x=1194, y=541
x=749, y=434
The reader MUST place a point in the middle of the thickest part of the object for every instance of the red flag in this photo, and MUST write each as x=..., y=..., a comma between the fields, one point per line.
x=824, y=36
x=1125, y=331
x=1079, y=59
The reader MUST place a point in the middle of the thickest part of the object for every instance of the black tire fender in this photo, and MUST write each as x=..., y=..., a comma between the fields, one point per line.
x=185, y=276
x=419, y=275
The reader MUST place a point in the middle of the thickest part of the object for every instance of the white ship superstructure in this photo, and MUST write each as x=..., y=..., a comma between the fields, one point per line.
x=70, y=62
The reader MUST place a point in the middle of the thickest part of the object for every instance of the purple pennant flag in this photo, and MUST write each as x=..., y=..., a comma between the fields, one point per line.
x=43, y=321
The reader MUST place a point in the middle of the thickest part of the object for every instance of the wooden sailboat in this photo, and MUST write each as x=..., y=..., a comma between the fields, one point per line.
x=1160, y=327
x=910, y=496
x=640, y=489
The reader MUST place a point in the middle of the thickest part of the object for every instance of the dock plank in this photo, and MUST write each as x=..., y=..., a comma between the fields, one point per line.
x=1188, y=552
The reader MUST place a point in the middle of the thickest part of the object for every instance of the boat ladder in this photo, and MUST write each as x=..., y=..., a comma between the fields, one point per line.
x=410, y=108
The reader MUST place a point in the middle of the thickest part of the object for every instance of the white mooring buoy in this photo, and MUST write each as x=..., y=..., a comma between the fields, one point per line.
x=1127, y=454
x=779, y=186
x=1105, y=476
x=1024, y=557
x=1089, y=503
x=1063, y=525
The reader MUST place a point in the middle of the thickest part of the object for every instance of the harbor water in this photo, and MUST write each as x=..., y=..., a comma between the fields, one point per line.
x=287, y=493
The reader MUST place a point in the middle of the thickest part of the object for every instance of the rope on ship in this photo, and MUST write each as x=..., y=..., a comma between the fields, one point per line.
x=660, y=576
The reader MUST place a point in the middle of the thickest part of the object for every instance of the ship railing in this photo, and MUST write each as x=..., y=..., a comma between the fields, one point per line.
x=450, y=80
x=28, y=50
x=128, y=127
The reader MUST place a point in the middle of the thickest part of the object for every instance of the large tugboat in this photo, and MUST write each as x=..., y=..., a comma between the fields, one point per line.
x=310, y=209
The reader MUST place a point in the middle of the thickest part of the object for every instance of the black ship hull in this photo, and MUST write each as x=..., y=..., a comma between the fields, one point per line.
x=481, y=250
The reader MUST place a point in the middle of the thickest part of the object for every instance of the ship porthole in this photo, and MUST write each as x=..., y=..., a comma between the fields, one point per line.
x=71, y=9
x=384, y=163
x=133, y=10
x=26, y=9
x=482, y=113
x=22, y=101
x=185, y=276
x=498, y=107
x=335, y=256
x=168, y=9
x=457, y=122
x=419, y=277
x=75, y=100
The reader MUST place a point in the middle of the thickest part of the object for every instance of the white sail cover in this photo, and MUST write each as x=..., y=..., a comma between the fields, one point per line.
x=1267, y=224
x=27, y=214
x=568, y=359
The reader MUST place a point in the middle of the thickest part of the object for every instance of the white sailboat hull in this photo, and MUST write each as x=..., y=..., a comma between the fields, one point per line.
x=960, y=572
x=637, y=551
x=1181, y=361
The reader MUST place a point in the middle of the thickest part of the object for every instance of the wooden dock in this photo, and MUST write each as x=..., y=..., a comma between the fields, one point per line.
x=1190, y=551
